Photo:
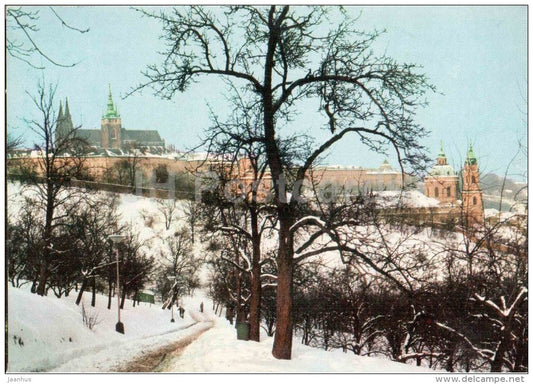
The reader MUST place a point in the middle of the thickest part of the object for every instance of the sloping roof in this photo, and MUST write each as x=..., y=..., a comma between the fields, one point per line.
x=442, y=170
x=93, y=136
x=141, y=136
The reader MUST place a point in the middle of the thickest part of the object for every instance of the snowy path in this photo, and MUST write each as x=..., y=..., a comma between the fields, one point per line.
x=126, y=356
x=158, y=360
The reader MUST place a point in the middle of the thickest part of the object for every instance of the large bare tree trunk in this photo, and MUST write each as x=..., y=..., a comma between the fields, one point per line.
x=283, y=337
x=255, y=298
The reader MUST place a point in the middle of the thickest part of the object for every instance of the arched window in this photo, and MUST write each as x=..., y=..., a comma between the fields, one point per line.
x=473, y=179
x=474, y=200
x=448, y=191
x=436, y=191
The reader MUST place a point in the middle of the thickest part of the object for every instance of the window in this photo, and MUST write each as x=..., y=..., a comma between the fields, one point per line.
x=474, y=201
x=448, y=191
x=473, y=179
x=436, y=192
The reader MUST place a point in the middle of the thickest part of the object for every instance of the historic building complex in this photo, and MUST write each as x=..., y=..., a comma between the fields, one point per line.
x=111, y=134
x=443, y=183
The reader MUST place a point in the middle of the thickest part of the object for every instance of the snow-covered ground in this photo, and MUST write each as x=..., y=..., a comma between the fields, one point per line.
x=226, y=354
x=47, y=334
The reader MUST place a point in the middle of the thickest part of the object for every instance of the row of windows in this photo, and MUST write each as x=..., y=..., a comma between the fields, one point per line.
x=448, y=192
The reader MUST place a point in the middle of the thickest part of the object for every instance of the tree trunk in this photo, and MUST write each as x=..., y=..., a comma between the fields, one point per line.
x=80, y=293
x=499, y=356
x=43, y=275
x=255, y=294
x=282, y=347
x=43, y=272
x=93, y=299
x=283, y=337
x=123, y=299
x=110, y=287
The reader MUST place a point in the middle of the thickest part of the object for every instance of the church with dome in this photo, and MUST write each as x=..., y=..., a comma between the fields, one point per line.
x=445, y=185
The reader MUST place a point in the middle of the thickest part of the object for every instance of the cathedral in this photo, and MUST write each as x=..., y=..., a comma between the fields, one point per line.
x=445, y=185
x=111, y=134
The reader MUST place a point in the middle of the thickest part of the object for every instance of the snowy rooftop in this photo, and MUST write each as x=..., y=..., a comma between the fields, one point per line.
x=411, y=199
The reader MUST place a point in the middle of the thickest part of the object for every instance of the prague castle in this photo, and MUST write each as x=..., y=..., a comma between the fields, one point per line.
x=111, y=134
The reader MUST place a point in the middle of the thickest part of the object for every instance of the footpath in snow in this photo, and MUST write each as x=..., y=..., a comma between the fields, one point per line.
x=47, y=334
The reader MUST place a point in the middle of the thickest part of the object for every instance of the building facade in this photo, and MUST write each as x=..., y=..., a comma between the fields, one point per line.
x=442, y=183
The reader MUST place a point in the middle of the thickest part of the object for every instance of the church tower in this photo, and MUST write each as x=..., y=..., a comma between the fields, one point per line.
x=111, y=125
x=442, y=181
x=64, y=125
x=471, y=195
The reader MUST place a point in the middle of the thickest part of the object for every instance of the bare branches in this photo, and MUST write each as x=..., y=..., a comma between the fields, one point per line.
x=25, y=21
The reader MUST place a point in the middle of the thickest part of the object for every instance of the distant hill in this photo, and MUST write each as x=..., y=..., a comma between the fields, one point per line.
x=513, y=194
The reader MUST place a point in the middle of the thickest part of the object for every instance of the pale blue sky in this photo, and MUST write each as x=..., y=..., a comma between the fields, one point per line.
x=476, y=56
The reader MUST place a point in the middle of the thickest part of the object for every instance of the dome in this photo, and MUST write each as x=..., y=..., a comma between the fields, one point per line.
x=442, y=170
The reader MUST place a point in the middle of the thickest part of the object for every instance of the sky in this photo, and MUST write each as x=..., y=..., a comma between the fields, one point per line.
x=476, y=56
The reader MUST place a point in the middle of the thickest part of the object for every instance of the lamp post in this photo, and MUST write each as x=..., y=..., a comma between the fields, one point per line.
x=116, y=239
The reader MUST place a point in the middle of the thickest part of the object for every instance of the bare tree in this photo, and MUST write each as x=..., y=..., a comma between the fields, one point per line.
x=285, y=55
x=167, y=207
x=243, y=201
x=60, y=160
x=177, y=274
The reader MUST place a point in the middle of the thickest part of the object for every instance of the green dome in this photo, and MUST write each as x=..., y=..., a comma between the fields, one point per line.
x=442, y=170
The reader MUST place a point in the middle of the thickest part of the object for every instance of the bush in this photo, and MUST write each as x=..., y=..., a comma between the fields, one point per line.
x=89, y=318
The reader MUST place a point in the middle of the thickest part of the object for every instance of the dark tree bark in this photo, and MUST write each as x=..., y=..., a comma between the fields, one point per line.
x=110, y=288
x=93, y=298
x=123, y=298
x=80, y=293
x=255, y=295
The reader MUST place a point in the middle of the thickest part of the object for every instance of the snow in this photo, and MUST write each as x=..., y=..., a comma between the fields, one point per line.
x=226, y=354
x=412, y=199
x=52, y=334
x=47, y=334
x=55, y=340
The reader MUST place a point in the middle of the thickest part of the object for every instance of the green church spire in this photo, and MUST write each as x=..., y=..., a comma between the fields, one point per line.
x=441, y=153
x=111, y=112
x=471, y=158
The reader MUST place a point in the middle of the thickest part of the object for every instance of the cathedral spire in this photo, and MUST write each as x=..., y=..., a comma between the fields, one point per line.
x=111, y=112
x=67, y=111
x=60, y=114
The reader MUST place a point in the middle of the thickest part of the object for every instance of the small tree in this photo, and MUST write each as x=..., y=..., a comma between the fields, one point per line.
x=179, y=267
